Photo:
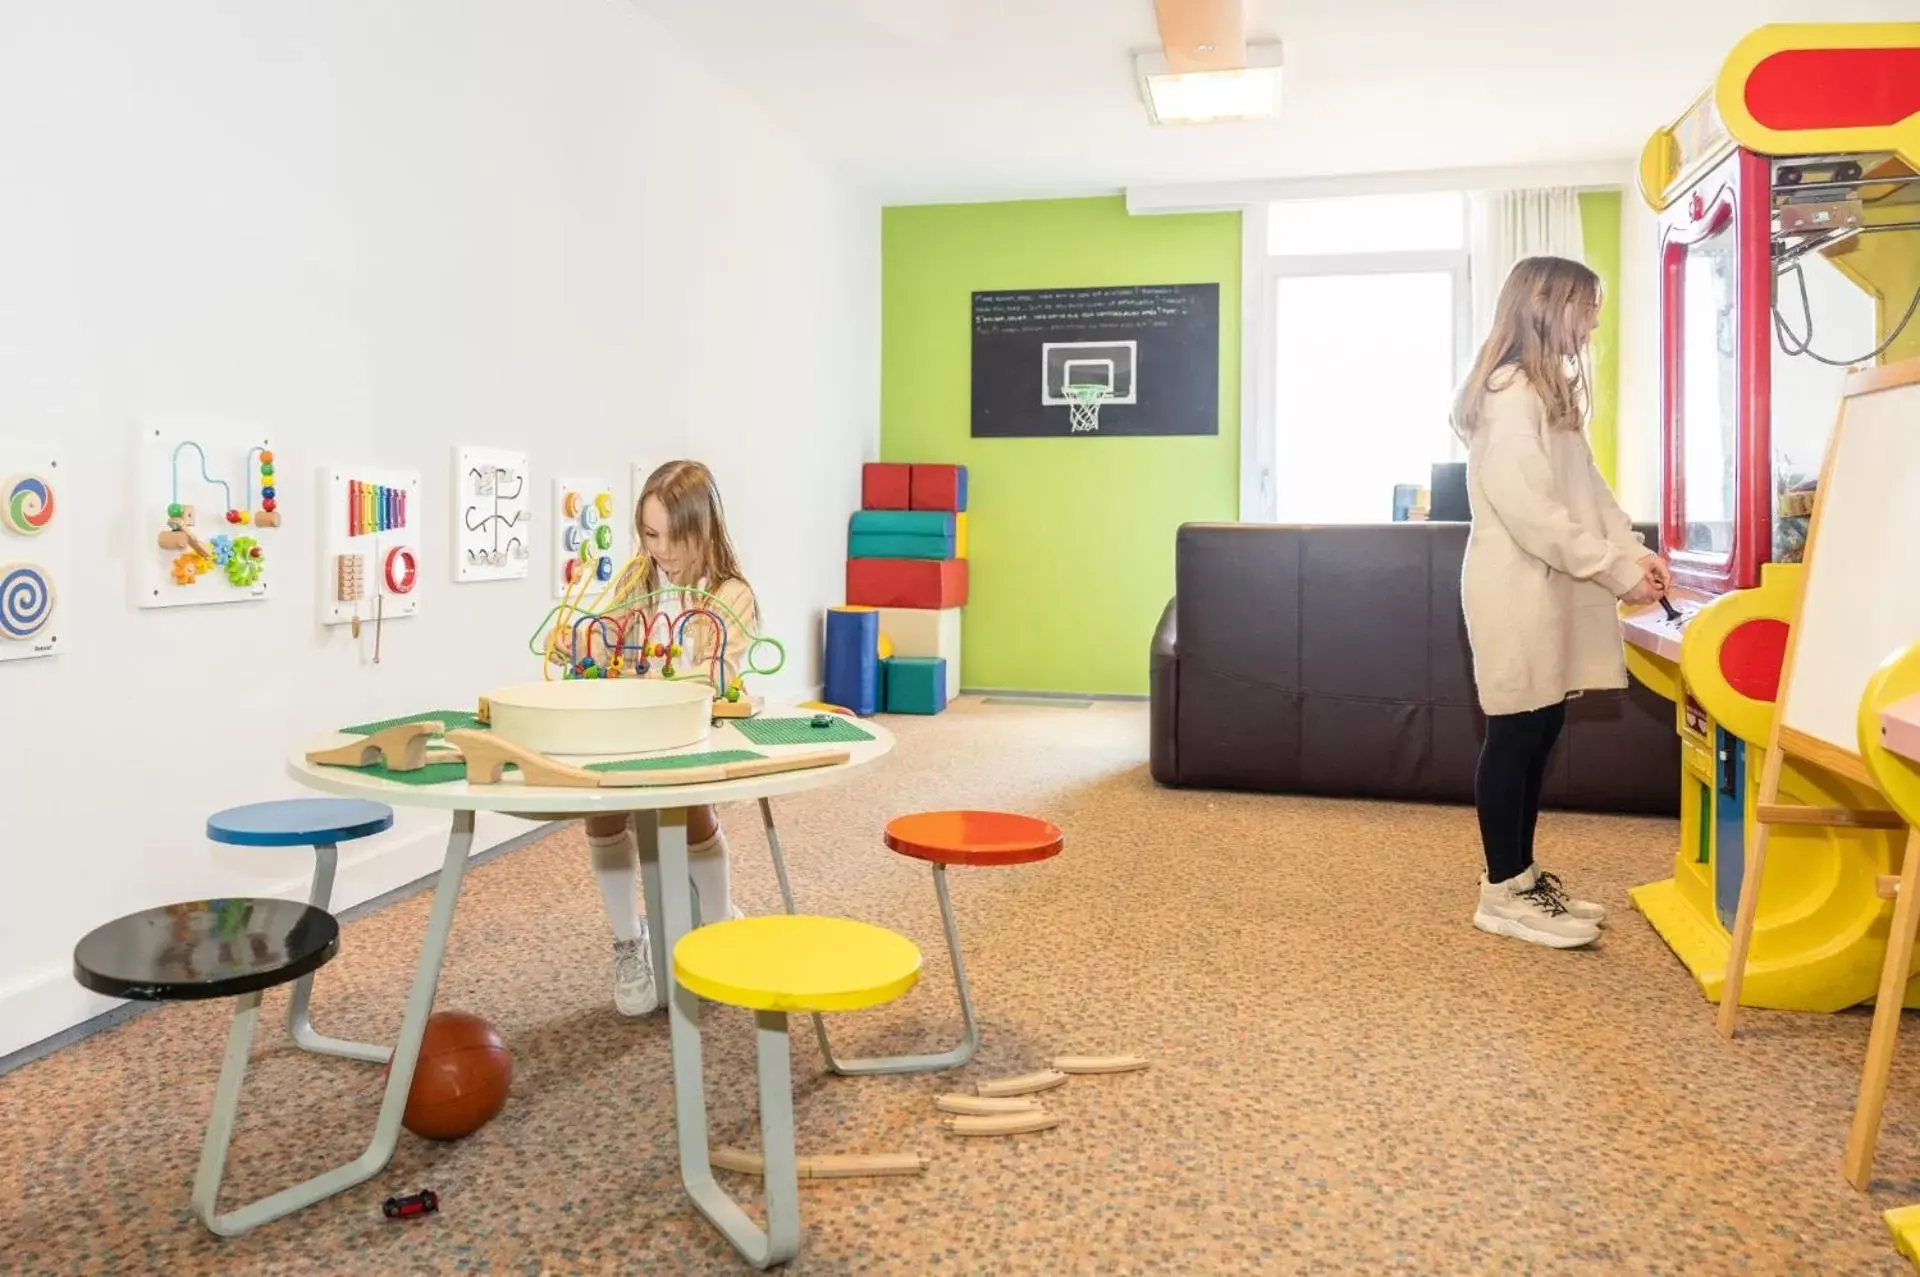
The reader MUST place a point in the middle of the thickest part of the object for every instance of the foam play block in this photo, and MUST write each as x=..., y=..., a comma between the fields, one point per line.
x=853, y=659
x=916, y=685
x=898, y=545
x=938, y=488
x=900, y=534
x=924, y=583
x=886, y=486
x=917, y=523
x=927, y=633
x=960, y=536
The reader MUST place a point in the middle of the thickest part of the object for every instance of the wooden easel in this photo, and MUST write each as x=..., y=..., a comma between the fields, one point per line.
x=1855, y=553
x=1899, y=780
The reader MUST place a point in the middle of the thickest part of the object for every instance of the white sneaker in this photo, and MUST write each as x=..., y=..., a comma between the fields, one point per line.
x=634, y=990
x=1585, y=910
x=1527, y=909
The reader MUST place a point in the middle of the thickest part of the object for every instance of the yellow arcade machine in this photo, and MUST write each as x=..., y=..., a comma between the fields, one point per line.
x=1788, y=209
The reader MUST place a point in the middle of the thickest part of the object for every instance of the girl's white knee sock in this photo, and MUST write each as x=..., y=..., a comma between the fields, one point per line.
x=616, y=866
x=709, y=867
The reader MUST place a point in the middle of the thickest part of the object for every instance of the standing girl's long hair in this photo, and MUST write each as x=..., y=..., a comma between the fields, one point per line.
x=1536, y=334
x=695, y=518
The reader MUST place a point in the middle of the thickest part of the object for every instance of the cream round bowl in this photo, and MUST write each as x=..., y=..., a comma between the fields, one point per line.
x=602, y=716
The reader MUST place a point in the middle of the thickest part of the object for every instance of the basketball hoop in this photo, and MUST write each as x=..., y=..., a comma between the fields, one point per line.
x=1084, y=412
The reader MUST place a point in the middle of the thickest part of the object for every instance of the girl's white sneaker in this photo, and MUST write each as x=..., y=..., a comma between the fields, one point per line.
x=634, y=990
x=1585, y=910
x=1526, y=909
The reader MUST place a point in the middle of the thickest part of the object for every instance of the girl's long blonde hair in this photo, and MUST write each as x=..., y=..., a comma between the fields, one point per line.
x=1535, y=335
x=695, y=518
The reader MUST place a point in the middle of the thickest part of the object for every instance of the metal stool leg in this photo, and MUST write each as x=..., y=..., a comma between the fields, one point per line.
x=786, y=895
x=780, y=1241
x=970, y=1031
x=325, y=857
x=393, y=1101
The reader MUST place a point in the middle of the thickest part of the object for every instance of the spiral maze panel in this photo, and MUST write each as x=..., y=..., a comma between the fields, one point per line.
x=26, y=601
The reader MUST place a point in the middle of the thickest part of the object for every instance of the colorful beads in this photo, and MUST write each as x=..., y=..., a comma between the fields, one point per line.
x=268, y=504
x=266, y=493
x=233, y=516
x=176, y=511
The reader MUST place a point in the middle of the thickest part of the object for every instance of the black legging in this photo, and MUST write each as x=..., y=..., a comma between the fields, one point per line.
x=1506, y=787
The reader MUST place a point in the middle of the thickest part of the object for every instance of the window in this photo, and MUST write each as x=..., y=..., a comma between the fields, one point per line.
x=1366, y=309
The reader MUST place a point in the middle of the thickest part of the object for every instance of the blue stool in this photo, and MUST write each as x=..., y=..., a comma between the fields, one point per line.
x=322, y=824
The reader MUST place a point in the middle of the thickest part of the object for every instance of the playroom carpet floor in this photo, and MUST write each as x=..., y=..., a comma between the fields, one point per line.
x=1346, y=1075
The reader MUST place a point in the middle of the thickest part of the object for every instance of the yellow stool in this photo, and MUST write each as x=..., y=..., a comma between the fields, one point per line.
x=774, y=967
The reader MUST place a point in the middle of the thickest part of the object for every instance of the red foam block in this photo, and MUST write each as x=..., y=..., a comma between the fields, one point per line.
x=885, y=485
x=929, y=583
x=939, y=488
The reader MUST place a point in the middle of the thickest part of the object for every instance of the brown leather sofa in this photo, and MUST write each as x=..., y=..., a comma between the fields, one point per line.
x=1334, y=661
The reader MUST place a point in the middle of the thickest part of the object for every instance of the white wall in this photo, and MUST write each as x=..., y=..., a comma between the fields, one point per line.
x=378, y=229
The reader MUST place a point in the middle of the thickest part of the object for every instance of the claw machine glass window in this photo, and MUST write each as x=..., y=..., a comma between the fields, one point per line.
x=1716, y=343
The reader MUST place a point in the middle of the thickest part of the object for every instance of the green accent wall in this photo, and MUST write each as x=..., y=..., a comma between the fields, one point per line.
x=1071, y=540
x=1600, y=231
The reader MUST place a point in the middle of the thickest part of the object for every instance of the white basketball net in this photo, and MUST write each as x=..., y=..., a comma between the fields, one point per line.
x=1084, y=412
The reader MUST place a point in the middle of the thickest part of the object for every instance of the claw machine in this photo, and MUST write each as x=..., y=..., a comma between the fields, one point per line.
x=1787, y=200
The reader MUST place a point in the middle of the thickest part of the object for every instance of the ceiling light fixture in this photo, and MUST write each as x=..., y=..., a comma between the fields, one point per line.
x=1244, y=93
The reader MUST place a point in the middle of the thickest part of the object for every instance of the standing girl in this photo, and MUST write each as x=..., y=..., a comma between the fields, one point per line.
x=683, y=533
x=1549, y=555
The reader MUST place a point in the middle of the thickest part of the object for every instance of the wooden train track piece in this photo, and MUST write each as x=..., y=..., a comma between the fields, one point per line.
x=984, y=1105
x=1100, y=1063
x=825, y=1166
x=1025, y=1084
x=488, y=757
x=1002, y=1123
x=398, y=749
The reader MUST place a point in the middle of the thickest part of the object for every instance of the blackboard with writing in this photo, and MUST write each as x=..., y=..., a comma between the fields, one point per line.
x=1147, y=354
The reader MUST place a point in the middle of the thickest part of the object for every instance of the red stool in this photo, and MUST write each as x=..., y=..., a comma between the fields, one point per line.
x=984, y=839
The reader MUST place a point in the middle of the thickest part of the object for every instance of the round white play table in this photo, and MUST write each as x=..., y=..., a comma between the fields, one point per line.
x=660, y=825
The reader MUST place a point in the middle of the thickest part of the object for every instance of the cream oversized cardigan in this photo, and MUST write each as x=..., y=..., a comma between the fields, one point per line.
x=1549, y=555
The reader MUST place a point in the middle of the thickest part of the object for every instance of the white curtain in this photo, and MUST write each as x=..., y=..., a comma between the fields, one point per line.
x=1505, y=226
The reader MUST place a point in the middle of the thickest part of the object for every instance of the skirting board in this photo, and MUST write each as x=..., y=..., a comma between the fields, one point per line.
x=1007, y=696
x=46, y=1013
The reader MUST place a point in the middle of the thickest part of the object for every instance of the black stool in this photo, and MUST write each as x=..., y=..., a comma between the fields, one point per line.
x=216, y=949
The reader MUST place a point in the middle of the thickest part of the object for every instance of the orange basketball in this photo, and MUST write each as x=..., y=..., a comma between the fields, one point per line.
x=461, y=1081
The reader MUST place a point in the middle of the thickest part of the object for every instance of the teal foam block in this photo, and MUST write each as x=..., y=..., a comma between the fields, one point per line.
x=898, y=545
x=918, y=523
x=916, y=685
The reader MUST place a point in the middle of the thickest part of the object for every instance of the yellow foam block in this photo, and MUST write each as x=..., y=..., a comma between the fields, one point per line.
x=960, y=535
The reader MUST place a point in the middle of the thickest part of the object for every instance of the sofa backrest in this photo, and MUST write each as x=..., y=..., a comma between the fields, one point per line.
x=1334, y=659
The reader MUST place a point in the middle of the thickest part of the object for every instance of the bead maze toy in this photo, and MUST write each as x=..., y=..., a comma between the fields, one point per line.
x=1800, y=164
x=629, y=631
x=493, y=515
x=29, y=599
x=217, y=558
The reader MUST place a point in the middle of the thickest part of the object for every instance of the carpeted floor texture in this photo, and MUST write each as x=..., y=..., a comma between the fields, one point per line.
x=1346, y=1075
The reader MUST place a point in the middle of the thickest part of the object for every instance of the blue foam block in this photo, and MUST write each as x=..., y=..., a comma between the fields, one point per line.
x=853, y=659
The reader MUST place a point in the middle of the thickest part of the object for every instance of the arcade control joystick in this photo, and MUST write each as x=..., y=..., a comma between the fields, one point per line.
x=1666, y=605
